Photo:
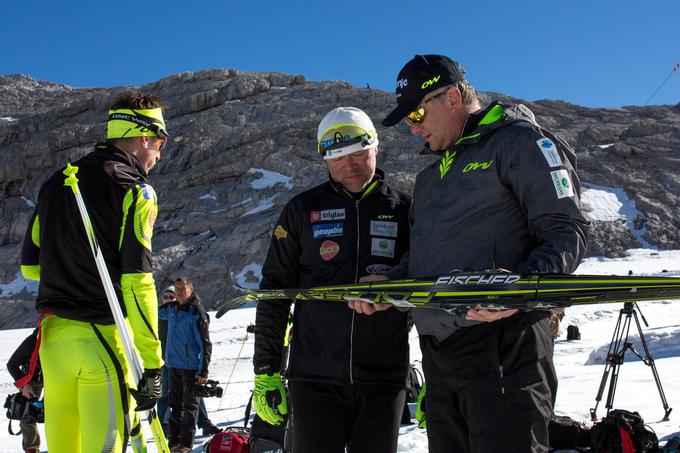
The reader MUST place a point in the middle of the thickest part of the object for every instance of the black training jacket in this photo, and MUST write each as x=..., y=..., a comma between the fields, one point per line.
x=505, y=195
x=326, y=236
x=113, y=185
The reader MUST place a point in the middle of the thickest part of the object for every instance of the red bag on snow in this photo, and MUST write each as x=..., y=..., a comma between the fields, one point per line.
x=231, y=440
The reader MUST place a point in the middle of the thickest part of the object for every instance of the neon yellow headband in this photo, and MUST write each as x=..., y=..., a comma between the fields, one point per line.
x=125, y=123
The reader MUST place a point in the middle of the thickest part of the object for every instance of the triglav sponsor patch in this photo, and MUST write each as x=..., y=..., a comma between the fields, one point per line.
x=327, y=215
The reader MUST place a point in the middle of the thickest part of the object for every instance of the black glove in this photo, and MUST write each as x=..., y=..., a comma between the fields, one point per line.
x=148, y=390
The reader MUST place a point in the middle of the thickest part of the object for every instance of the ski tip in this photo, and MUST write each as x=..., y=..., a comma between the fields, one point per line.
x=233, y=303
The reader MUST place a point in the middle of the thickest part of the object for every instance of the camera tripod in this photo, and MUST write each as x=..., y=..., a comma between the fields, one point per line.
x=615, y=356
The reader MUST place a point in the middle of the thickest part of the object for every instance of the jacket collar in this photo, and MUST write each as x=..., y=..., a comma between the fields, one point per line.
x=371, y=187
x=110, y=152
x=494, y=116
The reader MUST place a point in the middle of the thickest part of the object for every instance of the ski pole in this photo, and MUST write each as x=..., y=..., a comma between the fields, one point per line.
x=130, y=352
x=238, y=357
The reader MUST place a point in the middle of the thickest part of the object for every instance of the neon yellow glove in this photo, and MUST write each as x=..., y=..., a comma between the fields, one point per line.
x=420, y=408
x=269, y=398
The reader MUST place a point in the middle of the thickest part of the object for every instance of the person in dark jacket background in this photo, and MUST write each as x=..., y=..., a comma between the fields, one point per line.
x=187, y=355
x=347, y=371
x=31, y=387
x=504, y=195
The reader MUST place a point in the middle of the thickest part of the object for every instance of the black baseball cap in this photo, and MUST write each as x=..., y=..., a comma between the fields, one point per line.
x=424, y=73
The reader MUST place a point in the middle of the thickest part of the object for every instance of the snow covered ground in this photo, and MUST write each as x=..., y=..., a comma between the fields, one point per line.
x=579, y=374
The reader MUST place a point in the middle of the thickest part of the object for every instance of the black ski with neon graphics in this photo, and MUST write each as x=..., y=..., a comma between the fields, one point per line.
x=490, y=290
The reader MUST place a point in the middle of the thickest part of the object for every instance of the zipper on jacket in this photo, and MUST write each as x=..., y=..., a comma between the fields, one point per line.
x=500, y=372
x=356, y=277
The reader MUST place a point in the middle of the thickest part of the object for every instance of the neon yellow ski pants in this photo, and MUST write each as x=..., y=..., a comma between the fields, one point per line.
x=87, y=403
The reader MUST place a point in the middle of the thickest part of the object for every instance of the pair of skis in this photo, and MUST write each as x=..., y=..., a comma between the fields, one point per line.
x=126, y=339
x=489, y=290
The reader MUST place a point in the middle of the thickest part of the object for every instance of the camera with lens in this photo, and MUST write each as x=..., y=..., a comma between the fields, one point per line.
x=19, y=407
x=210, y=389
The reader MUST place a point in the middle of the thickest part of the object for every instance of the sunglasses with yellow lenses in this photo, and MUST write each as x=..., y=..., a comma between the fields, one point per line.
x=415, y=117
x=418, y=115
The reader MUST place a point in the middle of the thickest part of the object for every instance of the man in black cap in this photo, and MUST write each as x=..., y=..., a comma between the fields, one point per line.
x=504, y=195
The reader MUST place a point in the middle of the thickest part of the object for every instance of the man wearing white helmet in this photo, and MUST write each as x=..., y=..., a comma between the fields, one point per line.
x=347, y=370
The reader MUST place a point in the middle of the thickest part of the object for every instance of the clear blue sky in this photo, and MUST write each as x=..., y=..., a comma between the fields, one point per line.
x=596, y=53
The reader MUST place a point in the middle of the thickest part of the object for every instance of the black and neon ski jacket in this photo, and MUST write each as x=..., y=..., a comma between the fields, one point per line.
x=122, y=207
x=187, y=345
x=505, y=195
x=327, y=236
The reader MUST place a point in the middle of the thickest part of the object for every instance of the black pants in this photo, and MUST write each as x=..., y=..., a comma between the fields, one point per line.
x=184, y=404
x=326, y=417
x=490, y=387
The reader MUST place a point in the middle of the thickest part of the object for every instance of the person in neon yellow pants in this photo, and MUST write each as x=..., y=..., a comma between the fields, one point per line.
x=87, y=366
x=88, y=387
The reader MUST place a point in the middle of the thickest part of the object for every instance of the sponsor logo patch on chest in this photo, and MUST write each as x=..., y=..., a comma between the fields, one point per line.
x=378, y=269
x=328, y=250
x=472, y=166
x=327, y=215
x=381, y=228
x=327, y=230
x=382, y=247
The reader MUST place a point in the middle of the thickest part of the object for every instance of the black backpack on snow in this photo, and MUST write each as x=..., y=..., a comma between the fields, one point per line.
x=623, y=431
x=566, y=433
x=573, y=333
x=414, y=382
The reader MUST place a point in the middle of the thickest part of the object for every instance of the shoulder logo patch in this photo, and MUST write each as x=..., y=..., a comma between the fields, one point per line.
x=147, y=191
x=549, y=151
x=280, y=232
x=562, y=183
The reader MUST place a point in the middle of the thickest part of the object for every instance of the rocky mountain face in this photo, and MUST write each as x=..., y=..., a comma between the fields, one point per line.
x=244, y=143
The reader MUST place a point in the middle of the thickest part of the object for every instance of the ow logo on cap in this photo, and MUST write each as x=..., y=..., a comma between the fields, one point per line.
x=430, y=82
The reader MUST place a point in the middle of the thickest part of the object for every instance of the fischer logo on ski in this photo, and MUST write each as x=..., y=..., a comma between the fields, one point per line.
x=478, y=279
